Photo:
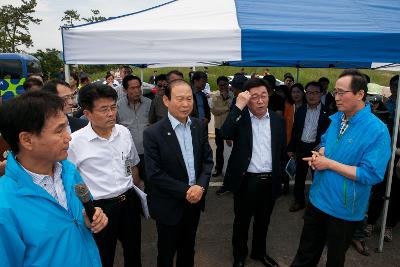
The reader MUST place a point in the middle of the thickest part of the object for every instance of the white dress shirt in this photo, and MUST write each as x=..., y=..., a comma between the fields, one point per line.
x=102, y=162
x=309, y=134
x=261, y=156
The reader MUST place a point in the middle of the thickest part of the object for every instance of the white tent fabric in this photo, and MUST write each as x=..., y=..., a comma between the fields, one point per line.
x=178, y=32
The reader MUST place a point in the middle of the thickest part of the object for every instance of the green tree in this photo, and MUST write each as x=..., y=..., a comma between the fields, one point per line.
x=14, y=26
x=70, y=17
x=95, y=16
x=50, y=61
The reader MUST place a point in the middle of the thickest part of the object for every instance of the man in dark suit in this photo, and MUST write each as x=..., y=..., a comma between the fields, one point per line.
x=327, y=98
x=310, y=122
x=254, y=168
x=63, y=90
x=178, y=161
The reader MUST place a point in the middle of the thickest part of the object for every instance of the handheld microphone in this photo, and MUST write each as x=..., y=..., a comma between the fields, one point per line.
x=83, y=194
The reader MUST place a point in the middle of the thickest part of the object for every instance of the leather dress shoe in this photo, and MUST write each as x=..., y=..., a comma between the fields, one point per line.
x=266, y=260
x=296, y=207
x=238, y=263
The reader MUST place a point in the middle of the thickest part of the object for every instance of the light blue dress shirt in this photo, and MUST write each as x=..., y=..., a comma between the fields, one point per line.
x=184, y=135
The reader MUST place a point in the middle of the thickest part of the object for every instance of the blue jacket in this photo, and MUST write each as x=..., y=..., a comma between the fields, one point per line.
x=366, y=145
x=35, y=230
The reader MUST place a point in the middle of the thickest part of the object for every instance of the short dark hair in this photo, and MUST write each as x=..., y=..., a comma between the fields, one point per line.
x=176, y=72
x=323, y=79
x=197, y=75
x=271, y=80
x=255, y=82
x=109, y=75
x=288, y=75
x=76, y=78
x=173, y=84
x=84, y=79
x=27, y=113
x=51, y=86
x=94, y=91
x=358, y=81
x=128, y=78
x=161, y=77
x=394, y=79
x=222, y=78
x=315, y=84
x=32, y=82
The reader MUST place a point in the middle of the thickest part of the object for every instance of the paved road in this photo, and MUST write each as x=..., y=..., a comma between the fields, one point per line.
x=213, y=247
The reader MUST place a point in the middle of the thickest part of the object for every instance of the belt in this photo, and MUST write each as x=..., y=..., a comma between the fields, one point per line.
x=261, y=175
x=119, y=199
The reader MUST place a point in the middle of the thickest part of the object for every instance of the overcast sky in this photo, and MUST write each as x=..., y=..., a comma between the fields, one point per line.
x=46, y=34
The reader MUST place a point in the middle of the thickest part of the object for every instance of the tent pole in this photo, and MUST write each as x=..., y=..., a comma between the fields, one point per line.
x=66, y=72
x=141, y=74
x=297, y=73
x=390, y=174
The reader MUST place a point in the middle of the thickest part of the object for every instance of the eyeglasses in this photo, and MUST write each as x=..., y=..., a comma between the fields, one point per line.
x=69, y=97
x=223, y=84
x=105, y=110
x=312, y=93
x=340, y=92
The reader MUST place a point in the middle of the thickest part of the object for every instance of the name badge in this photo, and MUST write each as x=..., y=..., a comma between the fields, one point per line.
x=128, y=167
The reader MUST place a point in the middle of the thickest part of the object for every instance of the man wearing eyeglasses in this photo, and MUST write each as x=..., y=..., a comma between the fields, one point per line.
x=106, y=157
x=63, y=90
x=353, y=156
x=310, y=122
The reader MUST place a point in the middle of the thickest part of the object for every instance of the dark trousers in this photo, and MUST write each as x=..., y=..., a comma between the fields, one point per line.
x=219, y=154
x=303, y=150
x=179, y=239
x=123, y=224
x=254, y=198
x=320, y=229
x=377, y=201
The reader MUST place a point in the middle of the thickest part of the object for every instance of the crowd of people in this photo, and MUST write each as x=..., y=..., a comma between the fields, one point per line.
x=117, y=140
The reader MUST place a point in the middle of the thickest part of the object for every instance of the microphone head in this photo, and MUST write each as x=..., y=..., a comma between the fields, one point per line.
x=82, y=192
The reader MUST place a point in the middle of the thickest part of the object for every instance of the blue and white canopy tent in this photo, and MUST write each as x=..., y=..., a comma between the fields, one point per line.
x=308, y=33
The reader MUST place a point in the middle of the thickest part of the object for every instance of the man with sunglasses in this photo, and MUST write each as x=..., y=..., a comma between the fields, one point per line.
x=353, y=156
x=158, y=110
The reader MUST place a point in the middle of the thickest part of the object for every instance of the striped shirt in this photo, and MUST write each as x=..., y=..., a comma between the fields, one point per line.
x=53, y=185
x=309, y=134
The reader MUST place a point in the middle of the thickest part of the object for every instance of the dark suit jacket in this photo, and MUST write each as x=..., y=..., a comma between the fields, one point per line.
x=207, y=110
x=75, y=124
x=166, y=169
x=237, y=127
x=298, y=126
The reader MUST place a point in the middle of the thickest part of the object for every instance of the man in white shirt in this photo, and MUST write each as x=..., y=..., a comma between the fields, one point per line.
x=106, y=157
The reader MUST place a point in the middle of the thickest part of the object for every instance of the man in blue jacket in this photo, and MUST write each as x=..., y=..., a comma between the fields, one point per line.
x=353, y=156
x=42, y=222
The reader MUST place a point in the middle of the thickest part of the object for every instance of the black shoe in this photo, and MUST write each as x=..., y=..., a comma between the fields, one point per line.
x=238, y=263
x=296, y=207
x=222, y=191
x=266, y=260
x=216, y=174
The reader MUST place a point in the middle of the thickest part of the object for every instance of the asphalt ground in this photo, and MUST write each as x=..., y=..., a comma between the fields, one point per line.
x=213, y=243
